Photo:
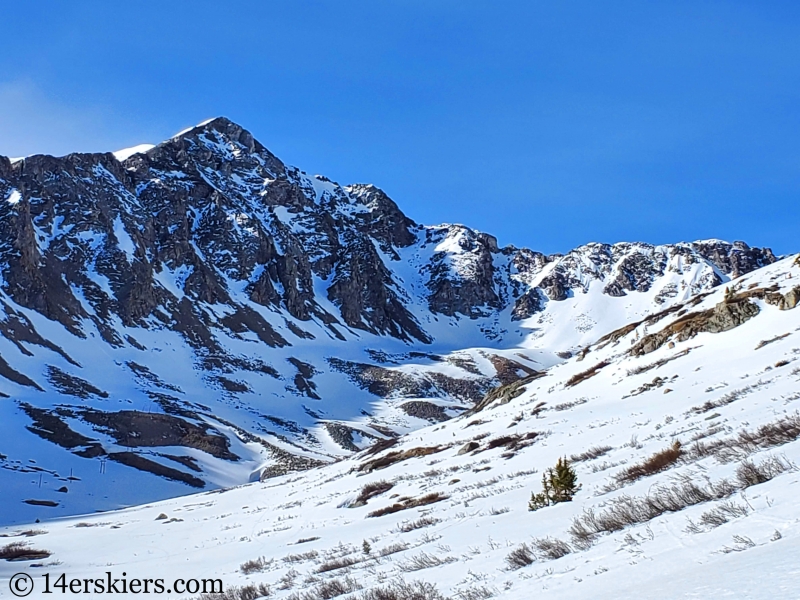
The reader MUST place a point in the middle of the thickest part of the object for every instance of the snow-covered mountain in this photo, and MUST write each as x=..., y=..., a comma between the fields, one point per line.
x=198, y=314
x=683, y=430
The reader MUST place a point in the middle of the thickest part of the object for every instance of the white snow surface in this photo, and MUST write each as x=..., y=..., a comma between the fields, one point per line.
x=125, y=153
x=627, y=408
x=14, y=197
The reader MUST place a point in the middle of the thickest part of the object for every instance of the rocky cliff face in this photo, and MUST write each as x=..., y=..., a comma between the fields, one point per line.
x=206, y=279
x=154, y=237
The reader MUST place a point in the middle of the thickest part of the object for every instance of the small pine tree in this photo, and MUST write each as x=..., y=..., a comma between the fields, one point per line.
x=366, y=547
x=559, y=484
x=543, y=498
x=564, y=481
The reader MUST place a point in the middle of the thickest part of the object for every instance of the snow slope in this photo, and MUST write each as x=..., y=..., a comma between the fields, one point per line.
x=622, y=400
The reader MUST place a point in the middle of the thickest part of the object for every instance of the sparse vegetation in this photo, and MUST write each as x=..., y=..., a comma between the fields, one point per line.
x=259, y=565
x=728, y=398
x=568, y=405
x=246, y=592
x=777, y=338
x=584, y=375
x=326, y=590
x=409, y=503
x=625, y=510
x=550, y=548
x=18, y=551
x=719, y=515
x=511, y=442
x=400, y=590
x=658, y=462
x=590, y=454
x=369, y=491
x=745, y=443
x=393, y=549
x=423, y=560
x=302, y=557
x=306, y=540
x=476, y=593
x=519, y=557
x=659, y=363
x=337, y=563
x=407, y=526
x=397, y=456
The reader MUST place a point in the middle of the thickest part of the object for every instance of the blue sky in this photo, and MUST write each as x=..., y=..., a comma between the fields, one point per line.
x=548, y=124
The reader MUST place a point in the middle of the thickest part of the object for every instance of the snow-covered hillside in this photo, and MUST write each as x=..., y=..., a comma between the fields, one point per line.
x=197, y=314
x=682, y=427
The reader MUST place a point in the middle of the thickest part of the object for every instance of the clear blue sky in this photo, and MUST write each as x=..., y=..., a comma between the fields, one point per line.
x=548, y=124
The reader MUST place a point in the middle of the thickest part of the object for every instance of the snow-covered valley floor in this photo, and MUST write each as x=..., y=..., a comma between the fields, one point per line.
x=448, y=505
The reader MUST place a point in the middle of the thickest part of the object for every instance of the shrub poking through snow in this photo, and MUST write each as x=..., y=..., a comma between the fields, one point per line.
x=658, y=462
x=591, y=454
x=371, y=490
x=245, y=592
x=21, y=551
x=328, y=589
x=409, y=503
x=400, y=590
x=550, y=548
x=259, y=565
x=559, y=484
x=519, y=557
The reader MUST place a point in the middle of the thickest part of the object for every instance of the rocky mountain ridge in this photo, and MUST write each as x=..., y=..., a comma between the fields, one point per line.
x=272, y=318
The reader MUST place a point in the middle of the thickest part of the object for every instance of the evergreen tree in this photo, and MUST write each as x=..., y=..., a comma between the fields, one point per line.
x=564, y=481
x=559, y=484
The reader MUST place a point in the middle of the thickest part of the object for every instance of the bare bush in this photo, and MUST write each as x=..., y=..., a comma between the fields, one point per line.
x=625, y=510
x=371, y=490
x=777, y=433
x=742, y=543
x=409, y=503
x=512, y=442
x=748, y=473
x=392, y=549
x=302, y=557
x=521, y=556
x=584, y=375
x=763, y=343
x=259, y=565
x=407, y=526
x=328, y=589
x=21, y=551
x=568, y=405
x=337, y=563
x=400, y=590
x=728, y=398
x=590, y=454
x=476, y=593
x=246, y=592
x=550, y=548
x=655, y=464
x=658, y=363
x=397, y=456
x=423, y=560
x=719, y=515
